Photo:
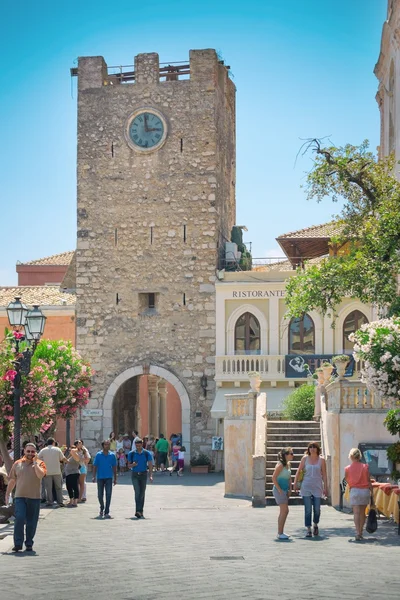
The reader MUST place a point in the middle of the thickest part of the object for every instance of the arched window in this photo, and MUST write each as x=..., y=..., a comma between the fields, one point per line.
x=302, y=336
x=352, y=323
x=247, y=335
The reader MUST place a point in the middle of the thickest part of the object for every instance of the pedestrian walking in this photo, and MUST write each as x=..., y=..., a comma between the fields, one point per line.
x=162, y=447
x=181, y=461
x=358, y=478
x=84, y=458
x=175, y=455
x=105, y=467
x=140, y=461
x=26, y=475
x=72, y=475
x=121, y=461
x=282, y=479
x=53, y=458
x=113, y=442
x=314, y=486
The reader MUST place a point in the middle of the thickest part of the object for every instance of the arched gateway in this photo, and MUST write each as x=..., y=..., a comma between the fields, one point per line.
x=153, y=370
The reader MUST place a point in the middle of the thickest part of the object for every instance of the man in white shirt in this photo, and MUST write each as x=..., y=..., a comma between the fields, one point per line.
x=136, y=437
x=52, y=457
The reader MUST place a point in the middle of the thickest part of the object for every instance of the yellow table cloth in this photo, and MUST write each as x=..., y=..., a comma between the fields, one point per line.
x=387, y=505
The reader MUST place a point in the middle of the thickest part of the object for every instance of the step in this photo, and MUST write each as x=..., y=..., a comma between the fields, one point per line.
x=285, y=430
x=292, y=423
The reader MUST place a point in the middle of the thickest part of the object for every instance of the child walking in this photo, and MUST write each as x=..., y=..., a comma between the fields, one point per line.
x=121, y=461
x=181, y=460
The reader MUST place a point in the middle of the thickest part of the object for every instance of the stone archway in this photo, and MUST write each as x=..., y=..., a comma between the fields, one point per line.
x=153, y=370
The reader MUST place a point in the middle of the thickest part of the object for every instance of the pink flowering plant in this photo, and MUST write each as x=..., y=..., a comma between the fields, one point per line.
x=71, y=375
x=378, y=345
x=37, y=390
x=57, y=386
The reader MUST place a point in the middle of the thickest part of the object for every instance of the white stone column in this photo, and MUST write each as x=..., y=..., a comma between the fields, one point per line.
x=162, y=393
x=328, y=346
x=273, y=325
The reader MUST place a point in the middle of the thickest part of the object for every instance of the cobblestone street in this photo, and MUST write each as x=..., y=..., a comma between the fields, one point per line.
x=193, y=544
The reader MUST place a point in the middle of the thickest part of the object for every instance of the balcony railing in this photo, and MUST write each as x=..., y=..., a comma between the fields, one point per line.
x=231, y=368
x=235, y=367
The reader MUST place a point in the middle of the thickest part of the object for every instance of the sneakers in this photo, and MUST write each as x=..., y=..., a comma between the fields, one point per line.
x=29, y=548
x=108, y=516
x=16, y=549
x=315, y=530
x=283, y=536
x=101, y=514
x=137, y=515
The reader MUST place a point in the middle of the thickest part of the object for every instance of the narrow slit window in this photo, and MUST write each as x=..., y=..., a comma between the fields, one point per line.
x=116, y=237
x=184, y=299
x=117, y=299
x=151, y=300
x=151, y=235
x=181, y=144
x=184, y=233
x=112, y=149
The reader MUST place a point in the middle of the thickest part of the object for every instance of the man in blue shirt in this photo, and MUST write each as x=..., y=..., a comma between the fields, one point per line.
x=105, y=467
x=139, y=460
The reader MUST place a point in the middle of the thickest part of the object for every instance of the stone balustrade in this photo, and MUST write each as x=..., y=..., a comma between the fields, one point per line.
x=232, y=368
x=346, y=395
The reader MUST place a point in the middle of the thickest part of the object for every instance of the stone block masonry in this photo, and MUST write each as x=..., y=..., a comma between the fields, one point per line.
x=152, y=225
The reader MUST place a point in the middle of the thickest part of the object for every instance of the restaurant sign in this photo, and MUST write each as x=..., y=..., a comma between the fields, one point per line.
x=258, y=294
x=296, y=364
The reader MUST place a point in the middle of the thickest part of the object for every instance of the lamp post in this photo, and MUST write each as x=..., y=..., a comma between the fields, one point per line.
x=29, y=324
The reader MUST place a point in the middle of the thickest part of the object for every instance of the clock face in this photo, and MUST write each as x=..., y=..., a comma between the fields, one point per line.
x=147, y=130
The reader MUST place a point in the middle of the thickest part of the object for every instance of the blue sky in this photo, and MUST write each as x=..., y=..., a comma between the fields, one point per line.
x=302, y=69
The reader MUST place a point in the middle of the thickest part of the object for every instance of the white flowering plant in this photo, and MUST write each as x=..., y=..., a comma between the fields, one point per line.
x=378, y=345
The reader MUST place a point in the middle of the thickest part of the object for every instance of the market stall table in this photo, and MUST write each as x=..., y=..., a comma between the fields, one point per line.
x=386, y=499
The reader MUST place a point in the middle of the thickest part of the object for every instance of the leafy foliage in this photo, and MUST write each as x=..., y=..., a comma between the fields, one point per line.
x=299, y=405
x=366, y=255
x=392, y=421
x=57, y=385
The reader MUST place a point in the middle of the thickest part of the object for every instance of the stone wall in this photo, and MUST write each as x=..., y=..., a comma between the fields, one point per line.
x=153, y=223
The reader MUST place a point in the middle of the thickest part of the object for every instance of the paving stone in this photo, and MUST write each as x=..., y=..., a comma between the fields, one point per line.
x=186, y=548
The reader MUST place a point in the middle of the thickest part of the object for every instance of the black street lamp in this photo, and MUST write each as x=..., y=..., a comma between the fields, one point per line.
x=30, y=325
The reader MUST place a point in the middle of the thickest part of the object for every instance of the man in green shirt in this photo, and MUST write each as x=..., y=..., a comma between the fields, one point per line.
x=162, y=448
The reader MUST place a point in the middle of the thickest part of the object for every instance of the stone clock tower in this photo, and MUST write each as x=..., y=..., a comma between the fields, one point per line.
x=156, y=203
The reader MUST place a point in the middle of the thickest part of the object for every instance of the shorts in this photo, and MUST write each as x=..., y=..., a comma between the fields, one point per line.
x=174, y=458
x=280, y=497
x=83, y=470
x=359, y=496
x=162, y=458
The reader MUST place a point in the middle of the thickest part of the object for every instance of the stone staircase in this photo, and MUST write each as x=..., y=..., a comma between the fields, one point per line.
x=293, y=434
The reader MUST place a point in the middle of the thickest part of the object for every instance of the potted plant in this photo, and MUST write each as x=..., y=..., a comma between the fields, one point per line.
x=341, y=361
x=320, y=375
x=327, y=369
x=200, y=463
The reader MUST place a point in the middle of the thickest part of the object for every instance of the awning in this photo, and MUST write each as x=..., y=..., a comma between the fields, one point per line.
x=218, y=409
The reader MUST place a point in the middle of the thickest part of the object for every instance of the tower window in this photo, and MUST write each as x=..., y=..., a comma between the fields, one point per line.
x=148, y=303
x=184, y=233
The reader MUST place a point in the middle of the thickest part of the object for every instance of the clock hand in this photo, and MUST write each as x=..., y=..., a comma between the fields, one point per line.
x=154, y=129
x=145, y=123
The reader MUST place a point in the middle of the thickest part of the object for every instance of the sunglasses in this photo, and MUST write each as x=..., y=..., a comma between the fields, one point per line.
x=290, y=453
x=313, y=446
x=30, y=451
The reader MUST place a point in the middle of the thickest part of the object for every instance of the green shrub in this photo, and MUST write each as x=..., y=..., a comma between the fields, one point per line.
x=299, y=405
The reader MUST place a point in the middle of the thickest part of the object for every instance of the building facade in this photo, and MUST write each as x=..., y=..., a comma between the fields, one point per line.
x=253, y=334
x=387, y=70
x=156, y=202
